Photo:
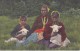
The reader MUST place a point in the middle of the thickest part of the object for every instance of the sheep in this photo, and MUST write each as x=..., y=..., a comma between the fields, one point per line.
x=56, y=38
x=55, y=29
x=14, y=39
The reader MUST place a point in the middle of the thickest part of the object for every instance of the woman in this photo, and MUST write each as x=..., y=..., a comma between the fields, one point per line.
x=39, y=26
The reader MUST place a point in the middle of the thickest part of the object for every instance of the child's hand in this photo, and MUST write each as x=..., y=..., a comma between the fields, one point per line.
x=20, y=36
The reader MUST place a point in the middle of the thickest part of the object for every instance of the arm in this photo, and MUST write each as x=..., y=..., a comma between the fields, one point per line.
x=37, y=24
x=63, y=33
x=15, y=30
x=47, y=31
x=29, y=33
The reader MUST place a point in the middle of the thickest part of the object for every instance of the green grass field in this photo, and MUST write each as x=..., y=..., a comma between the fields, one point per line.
x=72, y=26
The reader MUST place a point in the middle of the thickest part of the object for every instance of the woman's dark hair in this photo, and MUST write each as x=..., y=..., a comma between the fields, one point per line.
x=45, y=6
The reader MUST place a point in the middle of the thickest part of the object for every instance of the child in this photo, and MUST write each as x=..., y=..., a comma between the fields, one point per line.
x=64, y=41
x=20, y=31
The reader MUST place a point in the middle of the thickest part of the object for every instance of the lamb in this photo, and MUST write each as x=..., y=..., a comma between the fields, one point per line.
x=56, y=38
x=23, y=32
x=55, y=29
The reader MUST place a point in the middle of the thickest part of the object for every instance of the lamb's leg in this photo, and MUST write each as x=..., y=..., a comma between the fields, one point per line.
x=11, y=39
x=52, y=45
x=66, y=42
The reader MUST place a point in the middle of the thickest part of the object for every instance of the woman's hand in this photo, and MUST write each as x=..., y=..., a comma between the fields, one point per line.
x=40, y=36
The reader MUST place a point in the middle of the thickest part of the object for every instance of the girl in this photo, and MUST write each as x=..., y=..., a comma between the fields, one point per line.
x=64, y=41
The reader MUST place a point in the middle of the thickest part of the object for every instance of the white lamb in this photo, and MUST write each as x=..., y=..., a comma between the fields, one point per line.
x=56, y=38
x=23, y=32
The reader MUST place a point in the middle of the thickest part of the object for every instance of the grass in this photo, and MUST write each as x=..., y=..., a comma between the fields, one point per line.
x=72, y=26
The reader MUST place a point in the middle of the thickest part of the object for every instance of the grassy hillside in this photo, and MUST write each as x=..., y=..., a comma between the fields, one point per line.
x=72, y=26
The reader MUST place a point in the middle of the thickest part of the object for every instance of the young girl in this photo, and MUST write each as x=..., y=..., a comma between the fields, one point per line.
x=64, y=41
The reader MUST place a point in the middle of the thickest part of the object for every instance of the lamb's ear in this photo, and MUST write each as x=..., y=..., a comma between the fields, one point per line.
x=20, y=31
x=60, y=26
x=51, y=26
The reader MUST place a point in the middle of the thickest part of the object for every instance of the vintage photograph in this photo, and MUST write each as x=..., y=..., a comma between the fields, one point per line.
x=39, y=24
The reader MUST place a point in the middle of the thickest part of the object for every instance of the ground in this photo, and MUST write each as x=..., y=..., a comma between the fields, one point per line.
x=72, y=26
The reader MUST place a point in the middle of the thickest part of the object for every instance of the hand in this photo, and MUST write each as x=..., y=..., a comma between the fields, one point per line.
x=20, y=36
x=40, y=33
x=40, y=36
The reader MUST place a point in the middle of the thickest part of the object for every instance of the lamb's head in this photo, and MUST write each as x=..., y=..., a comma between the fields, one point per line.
x=55, y=28
x=24, y=31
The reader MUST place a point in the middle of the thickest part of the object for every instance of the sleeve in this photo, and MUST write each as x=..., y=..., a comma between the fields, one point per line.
x=47, y=31
x=28, y=27
x=29, y=33
x=34, y=25
x=15, y=30
x=37, y=24
x=63, y=33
